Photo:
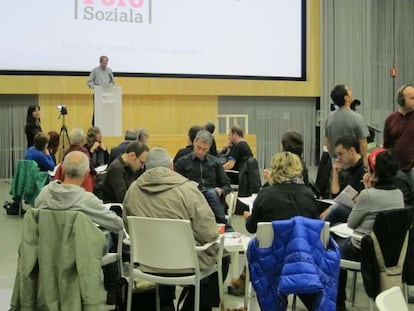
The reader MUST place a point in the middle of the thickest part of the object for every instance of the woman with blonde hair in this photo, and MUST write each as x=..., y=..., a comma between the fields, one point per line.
x=286, y=197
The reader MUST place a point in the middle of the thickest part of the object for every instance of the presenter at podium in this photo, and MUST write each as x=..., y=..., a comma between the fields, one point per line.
x=101, y=76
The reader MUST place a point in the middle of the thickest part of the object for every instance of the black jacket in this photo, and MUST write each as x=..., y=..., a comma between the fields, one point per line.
x=282, y=201
x=208, y=173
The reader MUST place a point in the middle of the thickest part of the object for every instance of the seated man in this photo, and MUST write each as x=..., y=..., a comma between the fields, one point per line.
x=123, y=171
x=192, y=132
x=39, y=152
x=208, y=173
x=348, y=169
x=69, y=195
x=162, y=193
x=239, y=152
x=130, y=135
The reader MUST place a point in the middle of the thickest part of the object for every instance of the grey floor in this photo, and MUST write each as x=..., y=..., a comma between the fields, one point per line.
x=10, y=228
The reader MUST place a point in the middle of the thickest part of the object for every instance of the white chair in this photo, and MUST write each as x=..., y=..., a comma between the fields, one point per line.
x=234, y=176
x=231, y=200
x=116, y=257
x=167, y=247
x=264, y=236
x=388, y=229
x=391, y=299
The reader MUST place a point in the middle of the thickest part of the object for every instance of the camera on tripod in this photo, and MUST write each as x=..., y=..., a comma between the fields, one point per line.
x=62, y=108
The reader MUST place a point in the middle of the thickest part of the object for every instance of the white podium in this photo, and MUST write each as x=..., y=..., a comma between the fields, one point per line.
x=108, y=110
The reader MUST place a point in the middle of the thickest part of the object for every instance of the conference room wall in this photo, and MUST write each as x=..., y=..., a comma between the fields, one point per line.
x=361, y=42
x=163, y=105
x=12, y=84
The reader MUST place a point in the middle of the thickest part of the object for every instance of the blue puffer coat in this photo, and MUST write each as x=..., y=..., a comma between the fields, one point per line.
x=296, y=263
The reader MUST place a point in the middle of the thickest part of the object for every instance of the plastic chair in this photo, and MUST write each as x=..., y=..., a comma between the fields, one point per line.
x=62, y=250
x=234, y=179
x=391, y=299
x=384, y=226
x=116, y=257
x=27, y=182
x=167, y=247
x=231, y=200
x=264, y=236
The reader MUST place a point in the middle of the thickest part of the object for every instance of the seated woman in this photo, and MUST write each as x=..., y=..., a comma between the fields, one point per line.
x=97, y=150
x=53, y=143
x=39, y=152
x=286, y=196
x=379, y=194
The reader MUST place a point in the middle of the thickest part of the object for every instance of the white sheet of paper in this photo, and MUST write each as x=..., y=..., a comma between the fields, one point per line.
x=101, y=168
x=342, y=230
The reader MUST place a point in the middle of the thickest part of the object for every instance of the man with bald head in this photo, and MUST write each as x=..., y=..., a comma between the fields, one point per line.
x=399, y=129
x=69, y=195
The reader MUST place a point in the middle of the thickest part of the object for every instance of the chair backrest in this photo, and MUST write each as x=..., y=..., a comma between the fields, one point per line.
x=265, y=234
x=28, y=180
x=323, y=175
x=162, y=244
x=231, y=201
x=44, y=232
x=391, y=227
x=391, y=299
x=249, y=177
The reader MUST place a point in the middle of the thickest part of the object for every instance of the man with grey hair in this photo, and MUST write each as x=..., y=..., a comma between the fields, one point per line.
x=77, y=136
x=162, y=193
x=142, y=135
x=69, y=195
x=208, y=173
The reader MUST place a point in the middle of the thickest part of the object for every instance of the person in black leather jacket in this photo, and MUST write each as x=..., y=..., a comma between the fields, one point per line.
x=207, y=172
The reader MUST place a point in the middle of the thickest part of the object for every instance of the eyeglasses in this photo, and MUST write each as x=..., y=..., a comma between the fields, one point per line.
x=141, y=160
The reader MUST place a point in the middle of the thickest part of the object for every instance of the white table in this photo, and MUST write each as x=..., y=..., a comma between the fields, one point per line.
x=234, y=243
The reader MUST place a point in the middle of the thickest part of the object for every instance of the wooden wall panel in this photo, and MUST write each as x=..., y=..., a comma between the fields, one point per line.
x=174, y=142
x=168, y=114
x=159, y=114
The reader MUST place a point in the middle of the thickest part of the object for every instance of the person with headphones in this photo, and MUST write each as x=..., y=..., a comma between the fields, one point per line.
x=399, y=129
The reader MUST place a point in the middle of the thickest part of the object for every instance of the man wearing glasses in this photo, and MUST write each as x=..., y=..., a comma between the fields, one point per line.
x=348, y=169
x=123, y=171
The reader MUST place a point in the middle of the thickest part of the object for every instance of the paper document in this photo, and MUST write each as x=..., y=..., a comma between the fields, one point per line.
x=342, y=230
x=53, y=173
x=347, y=196
x=101, y=169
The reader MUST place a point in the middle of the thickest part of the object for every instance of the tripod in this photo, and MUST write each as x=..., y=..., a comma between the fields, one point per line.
x=63, y=135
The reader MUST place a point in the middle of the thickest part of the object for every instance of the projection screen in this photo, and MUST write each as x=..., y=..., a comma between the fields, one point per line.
x=263, y=39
